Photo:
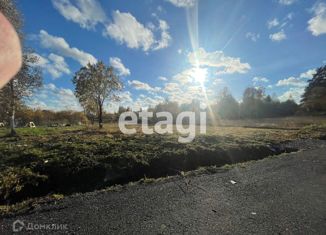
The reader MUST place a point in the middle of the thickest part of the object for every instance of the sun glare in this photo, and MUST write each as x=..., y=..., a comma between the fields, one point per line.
x=200, y=75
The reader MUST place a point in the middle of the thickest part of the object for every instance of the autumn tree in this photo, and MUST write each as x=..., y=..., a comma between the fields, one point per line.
x=95, y=84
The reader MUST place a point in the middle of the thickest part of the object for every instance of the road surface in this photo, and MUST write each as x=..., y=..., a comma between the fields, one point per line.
x=278, y=195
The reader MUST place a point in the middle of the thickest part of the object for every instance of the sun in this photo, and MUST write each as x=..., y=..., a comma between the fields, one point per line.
x=199, y=74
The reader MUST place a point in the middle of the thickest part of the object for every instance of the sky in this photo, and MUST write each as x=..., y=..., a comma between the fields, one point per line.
x=176, y=49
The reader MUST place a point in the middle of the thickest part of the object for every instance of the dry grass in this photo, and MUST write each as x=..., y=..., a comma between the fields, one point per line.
x=83, y=158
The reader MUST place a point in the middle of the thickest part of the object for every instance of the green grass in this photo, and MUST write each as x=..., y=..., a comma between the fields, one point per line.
x=39, y=131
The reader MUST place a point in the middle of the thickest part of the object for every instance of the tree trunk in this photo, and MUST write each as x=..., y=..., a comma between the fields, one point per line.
x=100, y=117
x=12, y=124
x=13, y=109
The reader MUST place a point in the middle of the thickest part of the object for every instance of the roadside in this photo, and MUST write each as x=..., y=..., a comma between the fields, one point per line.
x=45, y=163
x=278, y=195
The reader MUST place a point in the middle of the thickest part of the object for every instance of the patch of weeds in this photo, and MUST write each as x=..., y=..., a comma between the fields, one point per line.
x=19, y=183
x=28, y=205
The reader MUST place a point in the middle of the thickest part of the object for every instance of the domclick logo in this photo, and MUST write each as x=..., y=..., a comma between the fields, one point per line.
x=187, y=131
x=17, y=226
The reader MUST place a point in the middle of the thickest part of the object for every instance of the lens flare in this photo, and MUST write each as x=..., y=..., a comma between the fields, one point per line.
x=200, y=75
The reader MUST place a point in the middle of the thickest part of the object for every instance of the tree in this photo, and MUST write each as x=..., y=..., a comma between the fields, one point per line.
x=314, y=96
x=27, y=79
x=166, y=106
x=21, y=86
x=227, y=106
x=252, y=102
x=94, y=84
x=90, y=112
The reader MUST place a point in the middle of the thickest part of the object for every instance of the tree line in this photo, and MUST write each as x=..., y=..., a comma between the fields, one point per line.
x=255, y=104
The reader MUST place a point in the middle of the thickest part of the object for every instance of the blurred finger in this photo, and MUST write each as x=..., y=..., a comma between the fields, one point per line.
x=10, y=51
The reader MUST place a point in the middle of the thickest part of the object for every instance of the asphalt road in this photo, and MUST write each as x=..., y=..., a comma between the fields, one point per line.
x=284, y=195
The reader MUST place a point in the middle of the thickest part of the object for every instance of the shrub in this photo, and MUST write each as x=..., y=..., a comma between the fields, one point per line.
x=19, y=183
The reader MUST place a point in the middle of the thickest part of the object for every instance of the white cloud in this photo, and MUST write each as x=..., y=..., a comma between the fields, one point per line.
x=260, y=79
x=287, y=2
x=273, y=23
x=50, y=97
x=293, y=93
x=183, y=3
x=162, y=78
x=308, y=74
x=125, y=100
x=185, y=95
x=144, y=101
x=125, y=97
x=160, y=8
x=123, y=27
x=289, y=16
x=185, y=77
x=171, y=87
x=50, y=86
x=138, y=85
x=59, y=45
x=317, y=24
x=291, y=81
x=59, y=65
x=127, y=30
x=165, y=36
x=116, y=63
x=182, y=94
x=86, y=13
x=218, y=81
x=217, y=59
x=55, y=65
x=300, y=81
x=280, y=23
x=179, y=51
x=277, y=37
x=253, y=36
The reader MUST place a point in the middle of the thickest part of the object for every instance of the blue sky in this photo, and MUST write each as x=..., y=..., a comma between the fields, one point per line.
x=176, y=49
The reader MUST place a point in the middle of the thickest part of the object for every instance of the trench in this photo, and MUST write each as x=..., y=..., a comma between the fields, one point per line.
x=64, y=180
x=170, y=165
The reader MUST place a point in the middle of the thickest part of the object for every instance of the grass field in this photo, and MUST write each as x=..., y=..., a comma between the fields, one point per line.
x=66, y=160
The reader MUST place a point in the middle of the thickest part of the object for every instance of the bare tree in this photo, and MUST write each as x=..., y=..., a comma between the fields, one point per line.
x=94, y=84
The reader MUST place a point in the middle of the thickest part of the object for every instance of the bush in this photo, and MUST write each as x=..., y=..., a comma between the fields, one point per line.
x=19, y=183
